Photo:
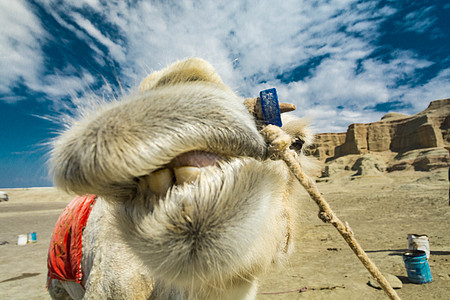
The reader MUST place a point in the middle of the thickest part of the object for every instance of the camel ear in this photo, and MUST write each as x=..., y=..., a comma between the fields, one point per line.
x=189, y=70
x=299, y=130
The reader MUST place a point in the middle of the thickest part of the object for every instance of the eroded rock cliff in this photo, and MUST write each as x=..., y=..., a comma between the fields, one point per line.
x=396, y=142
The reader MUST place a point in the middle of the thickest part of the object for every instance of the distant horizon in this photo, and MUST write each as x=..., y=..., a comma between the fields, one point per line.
x=339, y=62
x=52, y=186
x=28, y=188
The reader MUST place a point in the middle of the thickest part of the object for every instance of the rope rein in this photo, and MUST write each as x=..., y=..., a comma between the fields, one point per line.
x=279, y=143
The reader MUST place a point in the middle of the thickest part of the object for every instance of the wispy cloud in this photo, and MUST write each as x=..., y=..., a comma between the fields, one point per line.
x=21, y=37
x=420, y=21
x=321, y=55
x=23, y=61
x=115, y=50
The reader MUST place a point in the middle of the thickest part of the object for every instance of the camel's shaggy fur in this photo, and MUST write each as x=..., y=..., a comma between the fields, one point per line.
x=204, y=239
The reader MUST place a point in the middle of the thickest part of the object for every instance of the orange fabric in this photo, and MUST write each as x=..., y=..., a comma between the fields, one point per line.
x=64, y=255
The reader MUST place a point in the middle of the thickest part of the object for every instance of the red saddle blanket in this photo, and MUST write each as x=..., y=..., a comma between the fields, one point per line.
x=64, y=255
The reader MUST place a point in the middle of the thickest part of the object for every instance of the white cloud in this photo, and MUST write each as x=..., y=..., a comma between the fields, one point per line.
x=62, y=85
x=419, y=21
x=79, y=33
x=248, y=42
x=116, y=51
x=20, y=51
x=23, y=62
x=420, y=96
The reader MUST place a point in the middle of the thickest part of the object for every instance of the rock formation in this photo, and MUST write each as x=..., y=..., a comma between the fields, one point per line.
x=417, y=142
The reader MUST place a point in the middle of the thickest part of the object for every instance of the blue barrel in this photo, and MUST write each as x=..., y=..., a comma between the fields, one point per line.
x=417, y=266
x=32, y=237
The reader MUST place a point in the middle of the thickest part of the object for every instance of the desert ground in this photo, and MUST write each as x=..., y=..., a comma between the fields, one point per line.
x=381, y=210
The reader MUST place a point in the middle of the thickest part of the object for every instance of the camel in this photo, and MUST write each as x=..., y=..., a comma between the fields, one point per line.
x=183, y=200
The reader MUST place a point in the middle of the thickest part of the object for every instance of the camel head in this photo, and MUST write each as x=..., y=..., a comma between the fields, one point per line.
x=187, y=176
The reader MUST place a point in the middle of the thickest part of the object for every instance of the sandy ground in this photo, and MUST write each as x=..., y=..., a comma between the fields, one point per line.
x=381, y=210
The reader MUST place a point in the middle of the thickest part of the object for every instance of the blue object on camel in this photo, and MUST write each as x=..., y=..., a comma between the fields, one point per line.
x=270, y=107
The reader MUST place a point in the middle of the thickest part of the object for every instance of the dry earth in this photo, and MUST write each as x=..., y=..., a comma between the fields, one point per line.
x=381, y=209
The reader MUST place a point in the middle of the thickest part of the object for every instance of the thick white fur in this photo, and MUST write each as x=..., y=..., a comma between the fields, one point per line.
x=207, y=240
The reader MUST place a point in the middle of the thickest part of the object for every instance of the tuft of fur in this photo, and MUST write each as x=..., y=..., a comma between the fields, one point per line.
x=207, y=239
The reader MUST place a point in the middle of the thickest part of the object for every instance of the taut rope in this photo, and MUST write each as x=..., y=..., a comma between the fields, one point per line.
x=279, y=143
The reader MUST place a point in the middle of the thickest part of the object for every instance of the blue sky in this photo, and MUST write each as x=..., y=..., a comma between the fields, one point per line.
x=339, y=61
